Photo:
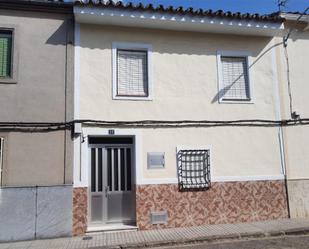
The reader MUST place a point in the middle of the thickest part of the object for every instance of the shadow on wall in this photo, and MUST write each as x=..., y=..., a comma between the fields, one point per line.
x=300, y=35
x=171, y=42
x=297, y=32
x=59, y=37
x=63, y=34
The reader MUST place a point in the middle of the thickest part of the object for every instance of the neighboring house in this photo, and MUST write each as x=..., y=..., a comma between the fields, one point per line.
x=296, y=138
x=147, y=81
x=36, y=86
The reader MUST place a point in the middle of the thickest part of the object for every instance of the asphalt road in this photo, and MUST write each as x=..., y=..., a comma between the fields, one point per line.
x=290, y=242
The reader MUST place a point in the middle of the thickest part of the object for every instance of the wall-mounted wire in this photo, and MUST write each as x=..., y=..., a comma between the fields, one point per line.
x=286, y=38
x=293, y=113
x=52, y=127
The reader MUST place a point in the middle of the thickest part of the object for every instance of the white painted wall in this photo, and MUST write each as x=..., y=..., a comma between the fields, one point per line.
x=184, y=76
x=185, y=85
x=296, y=138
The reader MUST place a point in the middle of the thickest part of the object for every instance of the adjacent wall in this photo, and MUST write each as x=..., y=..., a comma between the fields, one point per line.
x=35, y=212
x=296, y=138
x=43, y=92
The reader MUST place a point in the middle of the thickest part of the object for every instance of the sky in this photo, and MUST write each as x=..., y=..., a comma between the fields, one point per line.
x=244, y=6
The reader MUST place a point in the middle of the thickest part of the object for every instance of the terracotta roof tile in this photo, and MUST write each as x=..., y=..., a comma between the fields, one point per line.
x=274, y=17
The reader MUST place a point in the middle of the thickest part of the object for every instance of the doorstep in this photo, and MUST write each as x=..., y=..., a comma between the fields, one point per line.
x=110, y=228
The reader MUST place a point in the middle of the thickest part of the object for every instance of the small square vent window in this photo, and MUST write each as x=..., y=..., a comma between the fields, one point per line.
x=193, y=170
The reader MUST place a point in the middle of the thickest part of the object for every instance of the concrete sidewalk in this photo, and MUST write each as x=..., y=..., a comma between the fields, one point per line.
x=170, y=236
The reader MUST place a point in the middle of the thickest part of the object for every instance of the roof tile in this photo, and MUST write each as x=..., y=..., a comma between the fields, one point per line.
x=181, y=10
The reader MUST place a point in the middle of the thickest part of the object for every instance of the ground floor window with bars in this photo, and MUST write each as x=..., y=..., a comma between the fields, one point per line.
x=193, y=169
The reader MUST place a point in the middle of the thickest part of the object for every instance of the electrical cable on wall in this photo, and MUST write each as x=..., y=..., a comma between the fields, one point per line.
x=50, y=127
x=293, y=113
x=286, y=38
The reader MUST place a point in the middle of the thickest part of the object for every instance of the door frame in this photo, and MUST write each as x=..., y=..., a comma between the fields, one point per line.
x=133, y=178
x=81, y=157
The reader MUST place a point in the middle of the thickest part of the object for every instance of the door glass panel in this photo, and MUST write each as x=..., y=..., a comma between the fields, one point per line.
x=115, y=169
x=93, y=170
x=123, y=169
x=128, y=169
x=96, y=208
x=110, y=140
x=100, y=165
x=109, y=169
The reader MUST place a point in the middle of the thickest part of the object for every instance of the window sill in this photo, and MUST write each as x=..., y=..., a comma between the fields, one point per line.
x=133, y=98
x=112, y=227
x=249, y=101
x=8, y=81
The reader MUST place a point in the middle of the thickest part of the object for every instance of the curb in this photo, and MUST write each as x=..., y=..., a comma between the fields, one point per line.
x=104, y=247
x=189, y=237
x=215, y=238
x=297, y=231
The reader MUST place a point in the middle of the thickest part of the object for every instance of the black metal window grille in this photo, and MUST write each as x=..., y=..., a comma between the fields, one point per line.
x=193, y=170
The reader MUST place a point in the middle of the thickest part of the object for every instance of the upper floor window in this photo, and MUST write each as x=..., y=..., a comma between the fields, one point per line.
x=234, y=80
x=132, y=77
x=131, y=71
x=6, y=53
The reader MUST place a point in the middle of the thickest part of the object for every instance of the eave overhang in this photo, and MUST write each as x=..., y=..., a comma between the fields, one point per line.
x=297, y=18
x=179, y=22
x=37, y=5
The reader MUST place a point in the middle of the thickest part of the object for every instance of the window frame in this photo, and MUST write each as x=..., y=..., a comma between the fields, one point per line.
x=134, y=47
x=243, y=54
x=14, y=54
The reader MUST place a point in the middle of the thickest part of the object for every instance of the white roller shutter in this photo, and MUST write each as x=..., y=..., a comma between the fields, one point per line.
x=132, y=75
x=235, y=81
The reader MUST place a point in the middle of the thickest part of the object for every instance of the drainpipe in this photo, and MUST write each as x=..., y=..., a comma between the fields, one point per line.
x=68, y=42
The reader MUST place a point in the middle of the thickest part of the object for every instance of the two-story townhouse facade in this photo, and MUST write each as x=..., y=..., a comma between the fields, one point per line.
x=179, y=118
x=36, y=99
